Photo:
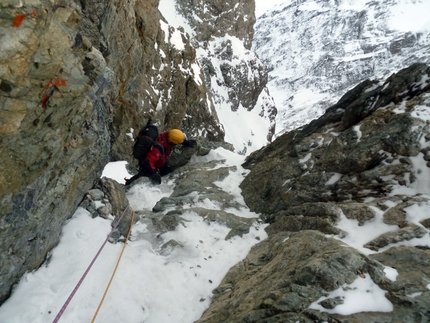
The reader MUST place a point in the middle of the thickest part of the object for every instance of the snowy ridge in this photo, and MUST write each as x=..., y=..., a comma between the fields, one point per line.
x=317, y=50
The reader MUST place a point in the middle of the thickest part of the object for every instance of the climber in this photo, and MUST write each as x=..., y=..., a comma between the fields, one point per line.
x=154, y=164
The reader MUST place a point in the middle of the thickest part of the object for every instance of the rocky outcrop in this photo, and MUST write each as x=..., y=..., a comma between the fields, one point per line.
x=409, y=292
x=156, y=72
x=77, y=81
x=365, y=159
x=283, y=275
x=216, y=19
x=107, y=198
x=360, y=148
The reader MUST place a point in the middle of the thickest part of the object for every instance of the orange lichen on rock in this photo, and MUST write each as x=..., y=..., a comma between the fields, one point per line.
x=18, y=20
x=60, y=82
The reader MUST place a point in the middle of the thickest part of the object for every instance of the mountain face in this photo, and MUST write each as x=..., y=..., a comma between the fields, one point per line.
x=367, y=159
x=318, y=50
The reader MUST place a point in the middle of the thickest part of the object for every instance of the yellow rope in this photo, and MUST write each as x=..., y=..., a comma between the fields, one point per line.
x=113, y=274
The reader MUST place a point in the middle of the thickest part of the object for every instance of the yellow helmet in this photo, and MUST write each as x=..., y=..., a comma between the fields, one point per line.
x=176, y=136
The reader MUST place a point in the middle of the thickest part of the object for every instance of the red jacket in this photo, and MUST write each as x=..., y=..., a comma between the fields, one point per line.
x=155, y=157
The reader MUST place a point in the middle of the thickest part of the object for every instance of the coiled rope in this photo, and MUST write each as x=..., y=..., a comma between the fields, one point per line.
x=60, y=313
x=113, y=274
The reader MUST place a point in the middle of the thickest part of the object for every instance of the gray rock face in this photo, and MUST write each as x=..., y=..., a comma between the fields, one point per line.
x=362, y=160
x=409, y=292
x=348, y=153
x=154, y=76
x=54, y=135
x=219, y=18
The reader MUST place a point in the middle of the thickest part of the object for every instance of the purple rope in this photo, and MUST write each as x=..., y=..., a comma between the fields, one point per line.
x=60, y=313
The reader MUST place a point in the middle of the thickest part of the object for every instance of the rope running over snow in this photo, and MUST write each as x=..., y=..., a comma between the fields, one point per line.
x=113, y=274
x=60, y=313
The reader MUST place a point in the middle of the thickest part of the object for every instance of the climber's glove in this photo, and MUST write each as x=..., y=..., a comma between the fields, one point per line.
x=189, y=143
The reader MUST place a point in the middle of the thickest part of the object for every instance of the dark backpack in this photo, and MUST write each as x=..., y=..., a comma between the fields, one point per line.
x=146, y=140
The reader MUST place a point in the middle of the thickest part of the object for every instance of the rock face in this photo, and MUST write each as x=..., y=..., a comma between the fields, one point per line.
x=77, y=80
x=156, y=73
x=359, y=148
x=364, y=159
x=54, y=131
x=212, y=20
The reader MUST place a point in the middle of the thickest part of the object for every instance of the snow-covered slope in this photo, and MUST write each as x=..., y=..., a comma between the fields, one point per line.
x=235, y=75
x=316, y=50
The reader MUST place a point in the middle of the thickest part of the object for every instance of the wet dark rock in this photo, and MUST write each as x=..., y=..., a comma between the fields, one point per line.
x=331, y=303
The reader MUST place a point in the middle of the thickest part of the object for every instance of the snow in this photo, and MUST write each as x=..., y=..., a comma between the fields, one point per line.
x=391, y=273
x=305, y=159
x=176, y=40
x=409, y=15
x=358, y=236
x=165, y=27
x=421, y=183
x=312, y=6
x=363, y=295
x=358, y=131
x=261, y=6
x=116, y=171
x=333, y=179
x=413, y=295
